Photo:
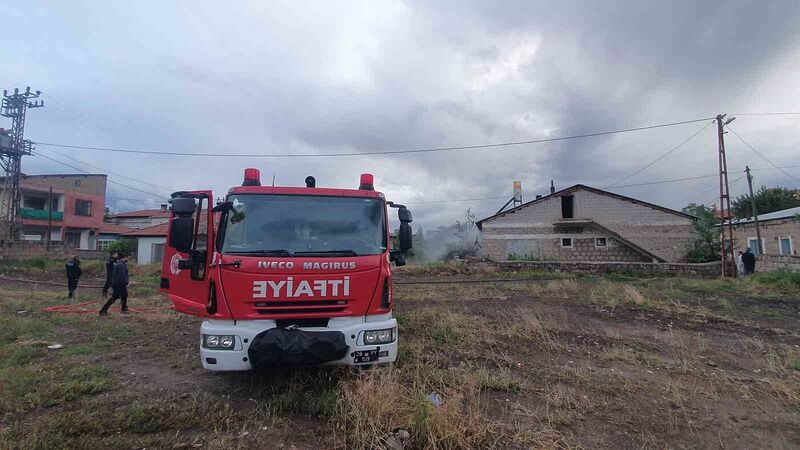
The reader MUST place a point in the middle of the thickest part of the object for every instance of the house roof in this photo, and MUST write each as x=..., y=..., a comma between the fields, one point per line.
x=142, y=213
x=590, y=189
x=112, y=228
x=155, y=230
x=775, y=215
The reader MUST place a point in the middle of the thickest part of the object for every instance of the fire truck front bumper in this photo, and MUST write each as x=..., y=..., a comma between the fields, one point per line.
x=259, y=344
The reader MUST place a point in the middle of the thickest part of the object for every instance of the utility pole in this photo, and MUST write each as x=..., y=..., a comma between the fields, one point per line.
x=726, y=220
x=755, y=211
x=49, y=217
x=15, y=107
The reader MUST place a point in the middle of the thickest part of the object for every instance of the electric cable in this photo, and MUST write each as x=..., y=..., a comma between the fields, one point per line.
x=383, y=152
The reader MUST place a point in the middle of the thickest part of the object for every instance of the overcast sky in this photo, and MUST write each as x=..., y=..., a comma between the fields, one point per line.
x=327, y=77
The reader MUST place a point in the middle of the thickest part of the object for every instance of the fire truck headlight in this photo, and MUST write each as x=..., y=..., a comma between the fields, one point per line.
x=212, y=341
x=225, y=342
x=379, y=336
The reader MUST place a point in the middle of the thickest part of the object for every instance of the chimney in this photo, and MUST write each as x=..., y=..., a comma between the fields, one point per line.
x=552, y=187
x=164, y=207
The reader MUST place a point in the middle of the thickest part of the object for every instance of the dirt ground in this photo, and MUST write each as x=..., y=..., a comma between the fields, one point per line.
x=590, y=362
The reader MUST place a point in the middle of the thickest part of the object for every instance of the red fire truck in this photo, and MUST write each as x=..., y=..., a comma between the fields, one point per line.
x=286, y=276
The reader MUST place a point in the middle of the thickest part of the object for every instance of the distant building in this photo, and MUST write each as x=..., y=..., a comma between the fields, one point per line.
x=77, y=205
x=141, y=218
x=582, y=223
x=109, y=233
x=150, y=242
x=780, y=231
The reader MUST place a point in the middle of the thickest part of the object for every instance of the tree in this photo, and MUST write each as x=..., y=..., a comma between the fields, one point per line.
x=767, y=200
x=706, y=244
x=121, y=246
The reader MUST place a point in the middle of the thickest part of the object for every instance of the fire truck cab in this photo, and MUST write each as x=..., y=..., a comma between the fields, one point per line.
x=286, y=276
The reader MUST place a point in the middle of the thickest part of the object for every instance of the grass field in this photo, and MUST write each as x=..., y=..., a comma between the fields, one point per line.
x=557, y=363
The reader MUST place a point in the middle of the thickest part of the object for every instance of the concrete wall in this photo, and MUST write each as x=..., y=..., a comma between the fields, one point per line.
x=771, y=231
x=144, y=248
x=766, y=263
x=85, y=184
x=707, y=270
x=25, y=250
x=662, y=233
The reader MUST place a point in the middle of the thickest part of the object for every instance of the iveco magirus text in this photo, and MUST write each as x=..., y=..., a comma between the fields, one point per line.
x=286, y=276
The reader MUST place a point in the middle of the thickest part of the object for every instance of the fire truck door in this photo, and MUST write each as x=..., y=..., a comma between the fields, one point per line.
x=185, y=269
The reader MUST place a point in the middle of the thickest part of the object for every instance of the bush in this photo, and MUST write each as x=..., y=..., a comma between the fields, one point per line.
x=781, y=278
x=121, y=246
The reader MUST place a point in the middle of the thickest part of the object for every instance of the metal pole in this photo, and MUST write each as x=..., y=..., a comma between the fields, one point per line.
x=724, y=195
x=755, y=211
x=49, y=217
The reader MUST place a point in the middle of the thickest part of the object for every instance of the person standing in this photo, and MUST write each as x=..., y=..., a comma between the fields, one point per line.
x=749, y=261
x=119, y=286
x=740, y=264
x=73, y=274
x=110, y=261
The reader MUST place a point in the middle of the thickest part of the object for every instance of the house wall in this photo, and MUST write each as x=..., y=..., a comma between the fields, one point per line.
x=144, y=247
x=662, y=233
x=135, y=222
x=771, y=231
x=544, y=243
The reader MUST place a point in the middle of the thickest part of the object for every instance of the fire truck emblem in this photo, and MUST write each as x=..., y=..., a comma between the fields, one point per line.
x=174, y=265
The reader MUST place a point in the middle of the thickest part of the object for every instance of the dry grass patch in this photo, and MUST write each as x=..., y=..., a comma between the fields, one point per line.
x=607, y=297
x=376, y=404
x=534, y=328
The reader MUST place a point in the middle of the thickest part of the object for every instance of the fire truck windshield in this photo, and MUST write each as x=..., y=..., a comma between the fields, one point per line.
x=297, y=225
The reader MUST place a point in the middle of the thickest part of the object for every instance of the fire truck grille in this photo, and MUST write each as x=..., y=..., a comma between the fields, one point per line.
x=301, y=307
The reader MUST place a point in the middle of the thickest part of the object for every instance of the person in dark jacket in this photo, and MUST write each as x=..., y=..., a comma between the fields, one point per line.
x=112, y=259
x=73, y=273
x=119, y=285
x=749, y=261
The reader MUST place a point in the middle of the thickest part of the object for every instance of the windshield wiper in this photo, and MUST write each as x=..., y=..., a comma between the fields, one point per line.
x=273, y=252
x=328, y=253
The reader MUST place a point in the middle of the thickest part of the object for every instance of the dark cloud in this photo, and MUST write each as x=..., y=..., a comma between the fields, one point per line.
x=292, y=77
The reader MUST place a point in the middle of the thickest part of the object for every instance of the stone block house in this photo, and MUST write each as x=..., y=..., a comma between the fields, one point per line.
x=780, y=232
x=582, y=223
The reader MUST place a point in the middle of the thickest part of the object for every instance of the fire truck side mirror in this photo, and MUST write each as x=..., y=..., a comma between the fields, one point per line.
x=404, y=214
x=181, y=233
x=183, y=205
x=404, y=236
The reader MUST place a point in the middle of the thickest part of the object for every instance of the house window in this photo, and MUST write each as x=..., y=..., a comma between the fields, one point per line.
x=103, y=244
x=753, y=244
x=785, y=245
x=600, y=242
x=567, y=206
x=34, y=203
x=83, y=208
x=566, y=242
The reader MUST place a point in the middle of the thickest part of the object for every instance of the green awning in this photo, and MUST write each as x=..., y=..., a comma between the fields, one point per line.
x=39, y=214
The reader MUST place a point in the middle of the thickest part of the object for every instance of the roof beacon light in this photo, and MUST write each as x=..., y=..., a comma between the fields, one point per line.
x=252, y=177
x=367, y=182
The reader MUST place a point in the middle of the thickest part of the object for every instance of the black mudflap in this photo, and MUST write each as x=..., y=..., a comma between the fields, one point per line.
x=291, y=347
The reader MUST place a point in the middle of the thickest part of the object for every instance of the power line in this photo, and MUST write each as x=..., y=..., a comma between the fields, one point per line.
x=109, y=180
x=662, y=156
x=457, y=200
x=113, y=173
x=698, y=177
x=386, y=152
x=762, y=155
x=768, y=114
